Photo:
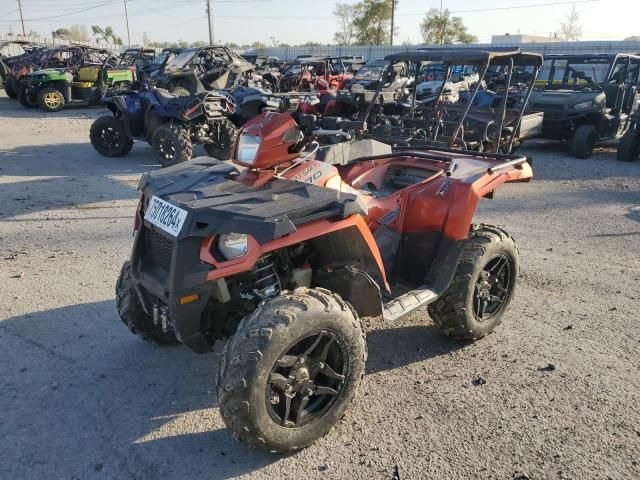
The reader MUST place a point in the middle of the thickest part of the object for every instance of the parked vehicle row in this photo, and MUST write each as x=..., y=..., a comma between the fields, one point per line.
x=411, y=98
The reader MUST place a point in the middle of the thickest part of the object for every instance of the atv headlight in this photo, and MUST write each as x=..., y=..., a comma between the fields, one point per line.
x=583, y=105
x=248, y=148
x=233, y=245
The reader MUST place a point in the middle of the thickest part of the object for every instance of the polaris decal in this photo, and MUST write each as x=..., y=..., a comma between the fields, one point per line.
x=389, y=217
x=313, y=173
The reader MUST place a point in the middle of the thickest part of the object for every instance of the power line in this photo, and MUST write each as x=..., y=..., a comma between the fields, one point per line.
x=62, y=15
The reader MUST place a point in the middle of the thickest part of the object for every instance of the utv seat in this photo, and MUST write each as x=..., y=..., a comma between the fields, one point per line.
x=87, y=77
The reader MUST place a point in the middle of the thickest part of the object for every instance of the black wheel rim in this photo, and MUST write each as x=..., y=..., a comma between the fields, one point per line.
x=307, y=380
x=166, y=147
x=492, y=288
x=110, y=139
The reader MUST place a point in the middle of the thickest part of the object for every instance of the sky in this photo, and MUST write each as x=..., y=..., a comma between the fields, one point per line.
x=298, y=21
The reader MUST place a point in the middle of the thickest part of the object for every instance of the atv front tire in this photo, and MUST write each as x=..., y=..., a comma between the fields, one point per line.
x=583, y=141
x=51, y=99
x=133, y=315
x=482, y=287
x=291, y=370
x=222, y=149
x=109, y=138
x=172, y=144
x=629, y=146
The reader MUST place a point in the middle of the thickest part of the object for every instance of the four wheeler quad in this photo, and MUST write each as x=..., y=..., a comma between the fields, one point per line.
x=496, y=124
x=169, y=123
x=53, y=88
x=587, y=98
x=629, y=146
x=196, y=70
x=282, y=260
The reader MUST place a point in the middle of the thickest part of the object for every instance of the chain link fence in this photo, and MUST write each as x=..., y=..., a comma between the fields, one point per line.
x=379, y=52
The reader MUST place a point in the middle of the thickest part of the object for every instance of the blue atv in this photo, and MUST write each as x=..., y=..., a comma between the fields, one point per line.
x=170, y=124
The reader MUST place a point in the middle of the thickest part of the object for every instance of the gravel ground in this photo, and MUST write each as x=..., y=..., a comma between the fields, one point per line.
x=80, y=397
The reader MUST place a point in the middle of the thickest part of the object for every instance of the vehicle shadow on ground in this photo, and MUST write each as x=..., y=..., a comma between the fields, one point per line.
x=66, y=175
x=10, y=108
x=545, y=154
x=135, y=410
x=395, y=347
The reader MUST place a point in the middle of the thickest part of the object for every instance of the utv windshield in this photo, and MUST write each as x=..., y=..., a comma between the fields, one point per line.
x=574, y=73
x=369, y=72
x=181, y=60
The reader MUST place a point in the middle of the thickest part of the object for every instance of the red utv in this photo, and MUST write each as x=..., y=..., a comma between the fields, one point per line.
x=282, y=258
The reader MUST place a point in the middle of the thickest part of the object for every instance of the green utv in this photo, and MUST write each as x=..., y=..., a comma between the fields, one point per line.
x=53, y=88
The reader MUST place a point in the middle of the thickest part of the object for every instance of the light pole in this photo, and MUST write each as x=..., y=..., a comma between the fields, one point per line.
x=21, y=18
x=210, y=22
x=393, y=17
x=126, y=16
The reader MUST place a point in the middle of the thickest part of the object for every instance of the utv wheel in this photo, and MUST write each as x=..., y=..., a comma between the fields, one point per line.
x=482, y=287
x=223, y=148
x=172, y=144
x=25, y=99
x=629, y=147
x=583, y=141
x=133, y=315
x=179, y=91
x=10, y=88
x=291, y=370
x=51, y=99
x=109, y=138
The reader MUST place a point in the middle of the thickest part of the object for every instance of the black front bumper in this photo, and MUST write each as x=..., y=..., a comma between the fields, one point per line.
x=164, y=271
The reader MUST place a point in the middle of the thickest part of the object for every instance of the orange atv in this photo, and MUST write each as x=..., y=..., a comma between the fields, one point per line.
x=282, y=258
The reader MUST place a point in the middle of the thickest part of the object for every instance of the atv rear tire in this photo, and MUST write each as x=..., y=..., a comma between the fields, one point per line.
x=51, y=99
x=281, y=357
x=629, y=146
x=482, y=287
x=583, y=141
x=10, y=88
x=25, y=99
x=109, y=138
x=223, y=148
x=172, y=144
x=133, y=315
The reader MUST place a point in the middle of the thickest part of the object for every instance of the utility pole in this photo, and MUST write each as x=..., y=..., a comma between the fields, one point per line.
x=126, y=16
x=210, y=22
x=393, y=17
x=24, y=34
x=444, y=25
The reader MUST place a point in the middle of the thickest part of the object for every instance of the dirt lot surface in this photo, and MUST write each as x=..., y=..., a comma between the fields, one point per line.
x=80, y=397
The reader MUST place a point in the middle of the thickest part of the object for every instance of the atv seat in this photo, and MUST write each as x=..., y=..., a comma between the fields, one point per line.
x=87, y=77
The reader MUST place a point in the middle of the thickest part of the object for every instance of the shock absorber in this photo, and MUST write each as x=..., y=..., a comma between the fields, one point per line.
x=266, y=279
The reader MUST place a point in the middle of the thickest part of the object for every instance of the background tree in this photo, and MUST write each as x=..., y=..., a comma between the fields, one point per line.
x=346, y=14
x=105, y=34
x=633, y=38
x=258, y=45
x=570, y=28
x=62, y=34
x=373, y=22
x=444, y=29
